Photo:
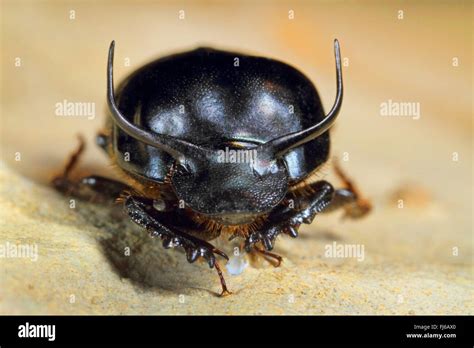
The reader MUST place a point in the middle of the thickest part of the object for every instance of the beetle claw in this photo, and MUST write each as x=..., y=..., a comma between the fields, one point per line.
x=267, y=242
x=211, y=260
x=167, y=242
x=225, y=293
x=292, y=231
x=192, y=255
x=221, y=253
x=267, y=237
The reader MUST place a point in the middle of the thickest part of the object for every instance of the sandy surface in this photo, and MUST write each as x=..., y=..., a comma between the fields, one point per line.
x=82, y=259
x=417, y=259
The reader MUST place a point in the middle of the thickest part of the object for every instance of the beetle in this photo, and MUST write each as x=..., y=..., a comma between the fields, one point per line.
x=169, y=125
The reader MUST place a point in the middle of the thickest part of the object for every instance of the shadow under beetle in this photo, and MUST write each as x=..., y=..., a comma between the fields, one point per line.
x=170, y=122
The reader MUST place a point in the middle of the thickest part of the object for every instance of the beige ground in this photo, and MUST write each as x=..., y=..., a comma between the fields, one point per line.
x=418, y=259
x=81, y=259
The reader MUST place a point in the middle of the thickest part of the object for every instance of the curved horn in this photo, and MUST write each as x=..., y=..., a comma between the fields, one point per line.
x=174, y=146
x=279, y=146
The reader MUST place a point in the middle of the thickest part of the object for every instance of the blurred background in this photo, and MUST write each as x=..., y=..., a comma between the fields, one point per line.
x=403, y=51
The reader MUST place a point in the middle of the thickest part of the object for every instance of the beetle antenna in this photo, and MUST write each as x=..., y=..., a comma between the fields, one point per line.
x=279, y=146
x=176, y=147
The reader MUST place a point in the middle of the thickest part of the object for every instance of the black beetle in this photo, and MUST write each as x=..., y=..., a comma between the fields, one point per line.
x=215, y=142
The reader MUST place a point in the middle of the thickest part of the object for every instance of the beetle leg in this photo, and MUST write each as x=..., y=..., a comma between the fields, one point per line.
x=75, y=156
x=349, y=198
x=285, y=219
x=225, y=291
x=278, y=259
x=354, y=206
x=161, y=224
x=323, y=199
x=94, y=188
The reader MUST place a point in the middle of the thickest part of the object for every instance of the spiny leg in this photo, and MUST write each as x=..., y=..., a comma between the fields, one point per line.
x=286, y=219
x=141, y=211
x=323, y=198
x=94, y=188
x=163, y=225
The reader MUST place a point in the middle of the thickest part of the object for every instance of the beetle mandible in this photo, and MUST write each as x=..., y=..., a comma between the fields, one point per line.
x=173, y=119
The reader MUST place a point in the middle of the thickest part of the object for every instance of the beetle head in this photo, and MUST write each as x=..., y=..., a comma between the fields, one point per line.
x=232, y=186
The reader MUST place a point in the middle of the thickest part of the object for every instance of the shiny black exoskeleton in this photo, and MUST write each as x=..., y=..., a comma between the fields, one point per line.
x=214, y=142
